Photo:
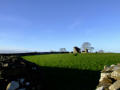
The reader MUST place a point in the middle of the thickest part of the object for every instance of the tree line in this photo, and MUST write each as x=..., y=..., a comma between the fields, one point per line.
x=85, y=45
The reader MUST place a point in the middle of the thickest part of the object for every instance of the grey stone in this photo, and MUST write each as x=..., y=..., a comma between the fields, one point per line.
x=21, y=80
x=107, y=69
x=116, y=74
x=116, y=68
x=76, y=50
x=115, y=85
x=100, y=88
x=13, y=85
x=110, y=78
x=5, y=65
x=103, y=76
x=27, y=83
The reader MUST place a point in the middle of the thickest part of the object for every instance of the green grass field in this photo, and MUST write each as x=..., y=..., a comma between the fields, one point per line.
x=81, y=61
x=69, y=72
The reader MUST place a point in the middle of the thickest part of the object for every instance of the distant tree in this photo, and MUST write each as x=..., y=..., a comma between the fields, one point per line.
x=101, y=51
x=63, y=50
x=87, y=45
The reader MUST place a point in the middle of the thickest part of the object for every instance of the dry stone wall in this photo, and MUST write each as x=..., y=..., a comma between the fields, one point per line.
x=18, y=74
x=110, y=78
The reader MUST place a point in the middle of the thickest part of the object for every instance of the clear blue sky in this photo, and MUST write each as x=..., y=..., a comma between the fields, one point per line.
x=44, y=25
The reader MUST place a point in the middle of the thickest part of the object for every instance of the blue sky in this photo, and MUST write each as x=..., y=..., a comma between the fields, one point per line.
x=44, y=25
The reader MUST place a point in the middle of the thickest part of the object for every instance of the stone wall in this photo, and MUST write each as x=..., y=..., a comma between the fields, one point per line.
x=18, y=74
x=110, y=78
x=31, y=53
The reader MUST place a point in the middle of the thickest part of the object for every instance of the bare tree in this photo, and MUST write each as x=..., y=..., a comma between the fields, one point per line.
x=63, y=50
x=87, y=45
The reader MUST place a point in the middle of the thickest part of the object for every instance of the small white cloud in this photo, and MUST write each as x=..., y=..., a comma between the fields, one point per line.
x=74, y=25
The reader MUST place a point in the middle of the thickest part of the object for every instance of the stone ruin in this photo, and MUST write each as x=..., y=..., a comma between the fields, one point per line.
x=86, y=51
x=76, y=50
x=110, y=78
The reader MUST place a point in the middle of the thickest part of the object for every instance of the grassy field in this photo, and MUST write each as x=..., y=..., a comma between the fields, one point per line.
x=81, y=61
x=69, y=72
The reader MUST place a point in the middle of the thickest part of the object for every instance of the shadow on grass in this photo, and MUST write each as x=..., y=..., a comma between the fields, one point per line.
x=69, y=79
x=49, y=78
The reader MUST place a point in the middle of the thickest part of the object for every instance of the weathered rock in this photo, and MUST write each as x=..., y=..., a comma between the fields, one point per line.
x=5, y=65
x=107, y=69
x=104, y=76
x=76, y=50
x=13, y=85
x=27, y=83
x=21, y=80
x=117, y=67
x=106, y=82
x=116, y=74
x=100, y=88
x=110, y=78
x=16, y=73
x=115, y=85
